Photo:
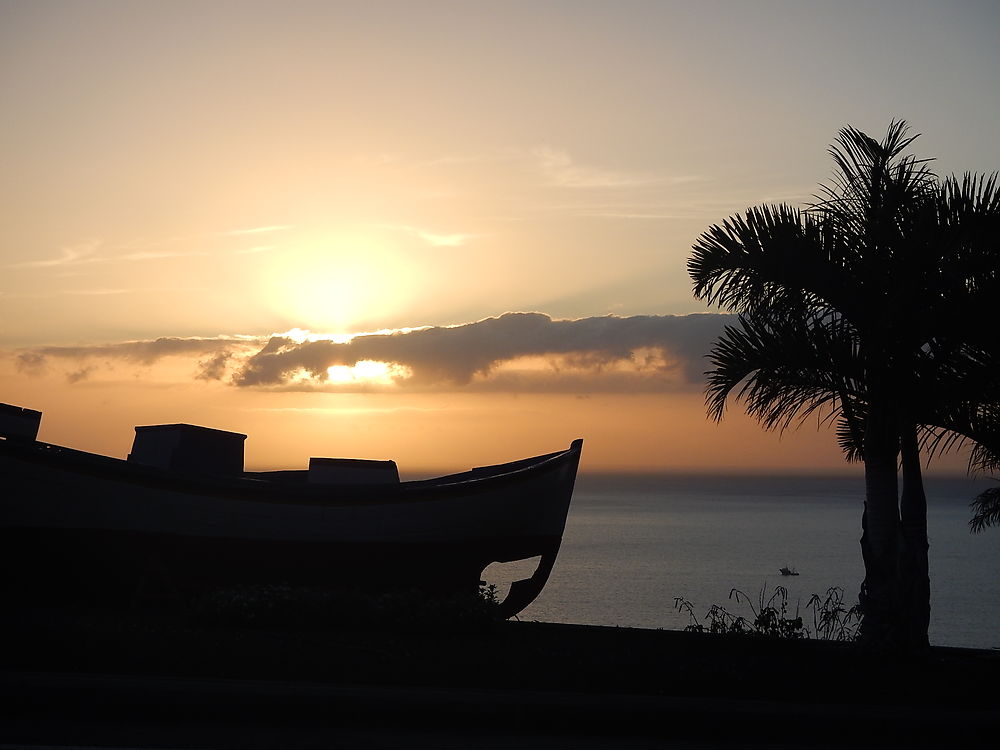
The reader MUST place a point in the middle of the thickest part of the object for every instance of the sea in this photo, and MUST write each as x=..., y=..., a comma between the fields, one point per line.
x=635, y=544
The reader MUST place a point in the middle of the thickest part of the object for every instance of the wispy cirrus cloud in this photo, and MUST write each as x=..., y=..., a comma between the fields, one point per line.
x=100, y=292
x=157, y=255
x=86, y=292
x=96, y=251
x=560, y=170
x=76, y=259
x=435, y=239
x=266, y=229
x=70, y=255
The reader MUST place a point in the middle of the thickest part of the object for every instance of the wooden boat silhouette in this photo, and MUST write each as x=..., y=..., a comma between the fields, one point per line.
x=181, y=511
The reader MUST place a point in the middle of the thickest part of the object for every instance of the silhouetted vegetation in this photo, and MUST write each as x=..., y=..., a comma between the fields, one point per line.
x=832, y=620
x=872, y=310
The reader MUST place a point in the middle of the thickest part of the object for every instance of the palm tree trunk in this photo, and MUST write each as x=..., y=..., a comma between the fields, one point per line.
x=880, y=592
x=913, y=565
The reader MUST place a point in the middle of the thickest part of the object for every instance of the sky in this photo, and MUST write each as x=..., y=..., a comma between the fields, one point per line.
x=450, y=233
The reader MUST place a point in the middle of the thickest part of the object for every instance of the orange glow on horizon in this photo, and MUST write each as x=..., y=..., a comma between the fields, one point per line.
x=326, y=175
x=426, y=433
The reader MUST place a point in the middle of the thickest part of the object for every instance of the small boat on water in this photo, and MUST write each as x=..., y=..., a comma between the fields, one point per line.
x=181, y=511
x=786, y=571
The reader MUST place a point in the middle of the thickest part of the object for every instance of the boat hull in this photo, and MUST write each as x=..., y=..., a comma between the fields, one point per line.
x=78, y=526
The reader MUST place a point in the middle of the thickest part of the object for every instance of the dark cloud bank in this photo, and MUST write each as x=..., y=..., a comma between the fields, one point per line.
x=659, y=352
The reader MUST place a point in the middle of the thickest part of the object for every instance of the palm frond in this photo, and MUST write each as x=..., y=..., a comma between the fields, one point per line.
x=871, y=174
x=866, y=202
x=766, y=256
x=969, y=423
x=984, y=459
x=786, y=367
x=969, y=218
x=985, y=510
x=850, y=437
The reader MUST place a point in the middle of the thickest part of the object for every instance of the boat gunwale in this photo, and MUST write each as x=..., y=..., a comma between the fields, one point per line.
x=250, y=489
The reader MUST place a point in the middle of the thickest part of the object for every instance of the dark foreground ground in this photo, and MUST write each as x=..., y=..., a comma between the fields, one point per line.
x=131, y=680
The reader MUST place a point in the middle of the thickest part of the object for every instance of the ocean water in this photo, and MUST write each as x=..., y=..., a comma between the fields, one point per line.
x=633, y=544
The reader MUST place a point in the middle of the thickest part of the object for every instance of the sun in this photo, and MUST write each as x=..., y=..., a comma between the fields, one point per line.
x=367, y=371
x=340, y=280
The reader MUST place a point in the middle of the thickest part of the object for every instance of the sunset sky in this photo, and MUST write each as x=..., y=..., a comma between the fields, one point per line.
x=398, y=229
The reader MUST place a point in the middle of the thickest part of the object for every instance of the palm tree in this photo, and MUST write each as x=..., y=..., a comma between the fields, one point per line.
x=851, y=310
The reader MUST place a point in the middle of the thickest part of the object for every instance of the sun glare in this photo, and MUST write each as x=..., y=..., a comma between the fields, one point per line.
x=301, y=336
x=365, y=371
x=340, y=281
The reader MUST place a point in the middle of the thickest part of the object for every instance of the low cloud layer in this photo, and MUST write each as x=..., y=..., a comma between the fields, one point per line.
x=514, y=352
x=141, y=352
x=456, y=355
x=145, y=353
